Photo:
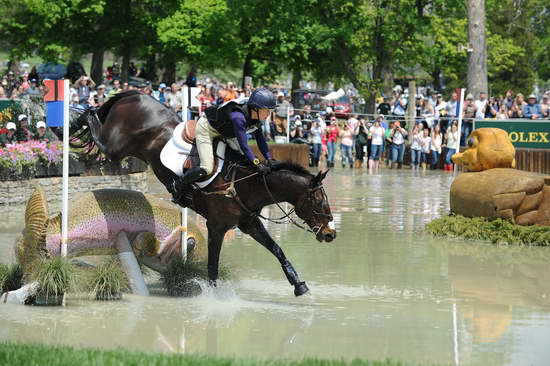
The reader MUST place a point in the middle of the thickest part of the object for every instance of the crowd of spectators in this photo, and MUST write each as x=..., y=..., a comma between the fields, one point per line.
x=360, y=138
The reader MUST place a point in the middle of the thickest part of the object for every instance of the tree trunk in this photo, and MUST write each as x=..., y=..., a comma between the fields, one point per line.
x=247, y=69
x=169, y=74
x=411, y=108
x=477, y=62
x=96, y=70
x=436, y=76
x=296, y=78
x=126, y=54
x=151, y=68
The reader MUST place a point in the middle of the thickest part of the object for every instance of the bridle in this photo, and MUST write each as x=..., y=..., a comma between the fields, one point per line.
x=286, y=218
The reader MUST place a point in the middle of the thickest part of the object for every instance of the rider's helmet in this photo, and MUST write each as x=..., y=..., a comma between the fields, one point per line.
x=262, y=98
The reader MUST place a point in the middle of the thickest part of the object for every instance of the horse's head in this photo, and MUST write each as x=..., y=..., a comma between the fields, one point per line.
x=314, y=209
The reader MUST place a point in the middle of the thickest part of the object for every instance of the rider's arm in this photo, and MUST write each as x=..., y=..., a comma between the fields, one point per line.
x=262, y=144
x=239, y=127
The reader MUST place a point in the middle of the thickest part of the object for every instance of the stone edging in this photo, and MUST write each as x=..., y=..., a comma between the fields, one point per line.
x=18, y=192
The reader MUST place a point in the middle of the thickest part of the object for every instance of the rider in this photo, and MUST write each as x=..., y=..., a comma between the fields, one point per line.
x=232, y=119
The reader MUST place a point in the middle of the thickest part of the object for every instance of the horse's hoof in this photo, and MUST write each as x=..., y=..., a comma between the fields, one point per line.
x=300, y=289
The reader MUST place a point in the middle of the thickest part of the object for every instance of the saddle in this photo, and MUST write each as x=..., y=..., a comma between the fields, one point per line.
x=180, y=152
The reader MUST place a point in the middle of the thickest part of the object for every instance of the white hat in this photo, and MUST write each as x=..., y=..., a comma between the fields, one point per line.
x=22, y=117
x=11, y=126
x=298, y=123
x=280, y=94
x=40, y=124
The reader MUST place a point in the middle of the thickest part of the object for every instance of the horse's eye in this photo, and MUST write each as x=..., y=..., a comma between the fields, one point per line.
x=471, y=142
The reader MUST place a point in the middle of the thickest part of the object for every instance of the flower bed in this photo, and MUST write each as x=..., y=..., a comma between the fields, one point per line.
x=20, y=161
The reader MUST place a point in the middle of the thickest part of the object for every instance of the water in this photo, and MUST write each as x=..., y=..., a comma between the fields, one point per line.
x=382, y=289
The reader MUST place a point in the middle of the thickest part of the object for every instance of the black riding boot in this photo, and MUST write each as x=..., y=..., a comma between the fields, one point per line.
x=183, y=186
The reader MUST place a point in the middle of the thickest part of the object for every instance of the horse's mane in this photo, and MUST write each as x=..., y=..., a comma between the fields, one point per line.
x=105, y=108
x=293, y=167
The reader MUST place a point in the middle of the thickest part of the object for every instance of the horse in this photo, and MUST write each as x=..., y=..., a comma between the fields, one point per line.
x=135, y=124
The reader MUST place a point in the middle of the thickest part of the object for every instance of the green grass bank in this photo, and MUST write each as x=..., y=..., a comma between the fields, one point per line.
x=30, y=355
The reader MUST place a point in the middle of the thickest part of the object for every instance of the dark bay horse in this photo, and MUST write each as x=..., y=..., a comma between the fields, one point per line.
x=135, y=124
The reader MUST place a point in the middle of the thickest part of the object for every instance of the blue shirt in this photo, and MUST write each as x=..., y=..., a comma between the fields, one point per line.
x=239, y=126
x=530, y=109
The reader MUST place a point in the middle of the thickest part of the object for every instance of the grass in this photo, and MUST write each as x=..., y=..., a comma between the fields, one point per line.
x=180, y=277
x=16, y=354
x=11, y=277
x=54, y=276
x=498, y=231
x=107, y=281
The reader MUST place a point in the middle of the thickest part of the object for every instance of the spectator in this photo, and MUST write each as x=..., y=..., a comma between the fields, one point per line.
x=191, y=80
x=425, y=143
x=451, y=142
x=99, y=97
x=125, y=86
x=469, y=113
x=398, y=136
x=427, y=113
x=376, y=135
x=452, y=106
x=315, y=135
x=115, y=89
x=230, y=92
x=282, y=110
x=32, y=90
x=440, y=110
x=520, y=101
x=84, y=87
x=23, y=133
x=480, y=104
x=532, y=109
x=3, y=94
x=332, y=137
x=132, y=69
x=361, y=142
x=43, y=133
x=160, y=95
x=509, y=99
x=502, y=112
x=346, y=145
x=8, y=137
x=416, y=146
x=435, y=146
x=491, y=108
x=515, y=111
x=174, y=100
x=400, y=108
x=384, y=107
x=545, y=106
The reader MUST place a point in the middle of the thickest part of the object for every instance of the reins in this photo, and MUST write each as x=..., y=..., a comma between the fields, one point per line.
x=285, y=219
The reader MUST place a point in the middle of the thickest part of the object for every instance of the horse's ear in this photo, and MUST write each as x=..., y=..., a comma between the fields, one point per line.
x=318, y=178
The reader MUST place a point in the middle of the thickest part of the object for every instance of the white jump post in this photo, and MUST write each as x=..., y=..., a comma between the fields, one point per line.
x=65, y=198
x=460, y=109
x=288, y=125
x=185, y=102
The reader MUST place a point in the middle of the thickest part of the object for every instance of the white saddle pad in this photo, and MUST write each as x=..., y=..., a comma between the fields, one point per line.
x=176, y=152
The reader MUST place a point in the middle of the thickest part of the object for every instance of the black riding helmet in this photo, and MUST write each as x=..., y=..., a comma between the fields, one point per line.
x=262, y=98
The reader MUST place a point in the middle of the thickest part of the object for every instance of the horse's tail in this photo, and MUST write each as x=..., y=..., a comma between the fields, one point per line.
x=88, y=139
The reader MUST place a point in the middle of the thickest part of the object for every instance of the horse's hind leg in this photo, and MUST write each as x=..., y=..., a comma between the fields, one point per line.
x=256, y=229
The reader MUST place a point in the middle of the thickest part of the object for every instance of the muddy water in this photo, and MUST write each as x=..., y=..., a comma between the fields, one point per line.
x=382, y=289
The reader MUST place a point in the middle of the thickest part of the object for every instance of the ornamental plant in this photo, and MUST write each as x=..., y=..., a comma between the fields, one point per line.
x=18, y=161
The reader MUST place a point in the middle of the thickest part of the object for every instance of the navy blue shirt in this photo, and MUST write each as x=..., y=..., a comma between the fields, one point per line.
x=239, y=126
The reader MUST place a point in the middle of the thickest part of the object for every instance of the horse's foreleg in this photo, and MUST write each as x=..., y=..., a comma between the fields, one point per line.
x=256, y=230
x=216, y=232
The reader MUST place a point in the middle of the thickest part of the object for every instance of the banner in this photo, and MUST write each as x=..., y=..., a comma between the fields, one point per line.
x=527, y=134
x=54, y=98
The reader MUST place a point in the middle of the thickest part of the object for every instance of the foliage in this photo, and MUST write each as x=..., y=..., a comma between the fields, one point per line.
x=108, y=281
x=498, y=231
x=18, y=161
x=180, y=278
x=54, y=277
x=11, y=277
x=12, y=354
